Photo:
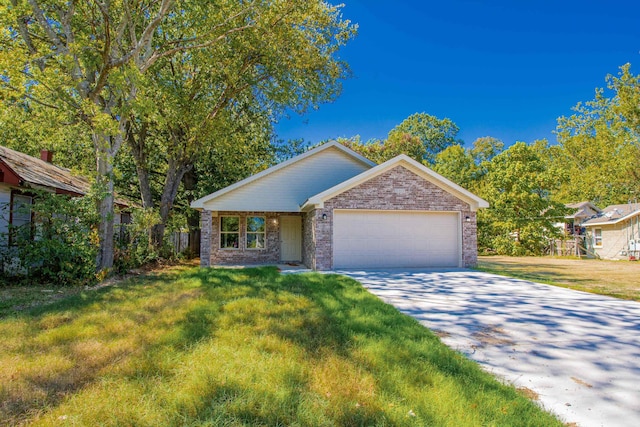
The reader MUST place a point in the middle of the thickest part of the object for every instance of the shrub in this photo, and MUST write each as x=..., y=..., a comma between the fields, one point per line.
x=59, y=246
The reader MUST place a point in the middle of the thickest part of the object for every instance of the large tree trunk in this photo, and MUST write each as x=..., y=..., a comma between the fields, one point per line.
x=190, y=181
x=139, y=152
x=104, y=180
x=175, y=172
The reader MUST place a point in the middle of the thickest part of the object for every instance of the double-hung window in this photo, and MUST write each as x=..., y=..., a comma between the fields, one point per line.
x=256, y=232
x=229, y=232
x=597, y=237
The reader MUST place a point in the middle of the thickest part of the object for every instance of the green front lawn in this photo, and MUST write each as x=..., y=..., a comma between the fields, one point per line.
x=240, y=347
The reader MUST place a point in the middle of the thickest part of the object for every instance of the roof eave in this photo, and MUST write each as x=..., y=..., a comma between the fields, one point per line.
x=615, y=221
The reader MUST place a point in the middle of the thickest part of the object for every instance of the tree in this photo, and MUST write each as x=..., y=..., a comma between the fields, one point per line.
x=458, y=165
x=92, y=58
x=434, y=133
x=380, y=151
x=521, y=216
x=467, y=167
x=486, y=148
x=88, y=57
x=229, y=95
x=420, y=136
x=598, y=148
x=29, y=127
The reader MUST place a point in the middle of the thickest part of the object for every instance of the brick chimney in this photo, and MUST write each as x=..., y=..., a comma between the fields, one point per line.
x=46, y=156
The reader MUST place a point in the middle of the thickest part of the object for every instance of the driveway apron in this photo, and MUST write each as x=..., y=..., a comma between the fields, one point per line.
x=578, y=352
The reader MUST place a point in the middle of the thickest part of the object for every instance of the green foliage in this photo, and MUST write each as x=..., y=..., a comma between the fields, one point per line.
x=136, y=247
x=59, y=247
x=118, y=67
x=380, y=151
x=518, y=186
x=458, y=165
x=420, y=136
x=434, y=133
x=599, y=148
x=29, y=127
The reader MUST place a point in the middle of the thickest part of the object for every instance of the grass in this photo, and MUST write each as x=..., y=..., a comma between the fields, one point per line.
x=219, y=347
x=613, y=278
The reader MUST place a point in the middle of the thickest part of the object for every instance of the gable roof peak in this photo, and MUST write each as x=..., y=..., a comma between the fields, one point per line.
x=400, y=160
x=199, y=204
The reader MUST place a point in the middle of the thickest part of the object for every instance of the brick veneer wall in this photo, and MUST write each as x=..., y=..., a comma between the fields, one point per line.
x=396, y=189
x=308, y=241
x=218, y=256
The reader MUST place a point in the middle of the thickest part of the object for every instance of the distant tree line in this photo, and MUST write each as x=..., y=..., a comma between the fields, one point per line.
x=597, y=158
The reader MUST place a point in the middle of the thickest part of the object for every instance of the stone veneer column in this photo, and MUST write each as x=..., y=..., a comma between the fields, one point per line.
x=205, y=238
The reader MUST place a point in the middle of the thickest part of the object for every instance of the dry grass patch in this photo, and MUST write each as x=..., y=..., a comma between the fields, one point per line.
x=251, y=347
x=619, y=279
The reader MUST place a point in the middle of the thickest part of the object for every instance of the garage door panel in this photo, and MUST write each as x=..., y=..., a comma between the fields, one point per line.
x=386, y=239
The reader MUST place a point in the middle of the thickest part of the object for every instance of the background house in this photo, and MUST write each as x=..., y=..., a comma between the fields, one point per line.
x=573, y=241
x=615, y=233
x=582, y=212
x=21, y=174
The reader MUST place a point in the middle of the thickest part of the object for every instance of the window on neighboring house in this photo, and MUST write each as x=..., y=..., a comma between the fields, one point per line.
x=125, y=218
x=229, y=232
x=20, y=216
x=597, y=237
x=256, y=232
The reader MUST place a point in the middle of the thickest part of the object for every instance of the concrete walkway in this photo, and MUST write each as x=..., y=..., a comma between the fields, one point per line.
x=579, y=352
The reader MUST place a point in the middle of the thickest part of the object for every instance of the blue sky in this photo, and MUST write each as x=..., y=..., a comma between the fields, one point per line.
x=506, y=69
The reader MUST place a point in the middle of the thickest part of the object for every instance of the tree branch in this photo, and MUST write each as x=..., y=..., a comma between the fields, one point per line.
x=24, y=31
x=105, y=54
x=44, y=23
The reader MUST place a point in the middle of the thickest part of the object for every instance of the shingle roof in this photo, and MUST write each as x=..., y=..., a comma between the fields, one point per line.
x=582, y=209
x=614, y=213
x=36, y=171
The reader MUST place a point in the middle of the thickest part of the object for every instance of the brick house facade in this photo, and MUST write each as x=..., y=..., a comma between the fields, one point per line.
x=396, y=189
x=400, y=185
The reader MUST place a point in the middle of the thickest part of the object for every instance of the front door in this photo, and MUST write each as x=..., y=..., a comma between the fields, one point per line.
x=290, y=238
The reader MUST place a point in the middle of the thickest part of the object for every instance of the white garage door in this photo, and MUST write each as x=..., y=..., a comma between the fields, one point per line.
x=386, y=239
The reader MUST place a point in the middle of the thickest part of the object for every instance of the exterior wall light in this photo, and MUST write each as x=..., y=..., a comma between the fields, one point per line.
x=324, y=217
x=467, y=218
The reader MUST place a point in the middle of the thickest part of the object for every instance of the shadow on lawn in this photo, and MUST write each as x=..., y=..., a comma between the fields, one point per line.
x=326, y=316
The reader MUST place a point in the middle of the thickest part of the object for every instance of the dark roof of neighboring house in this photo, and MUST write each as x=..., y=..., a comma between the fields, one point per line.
x=615, y=213
x=36, y=171
x=583, y=209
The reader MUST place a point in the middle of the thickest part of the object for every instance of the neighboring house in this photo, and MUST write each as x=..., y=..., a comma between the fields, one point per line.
x=582, y=212
x=572, y=241
x=20, y=174
x=331, y=208
x=615, y=234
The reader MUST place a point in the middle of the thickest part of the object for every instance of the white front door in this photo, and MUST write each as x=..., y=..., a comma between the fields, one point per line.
x=290, y=238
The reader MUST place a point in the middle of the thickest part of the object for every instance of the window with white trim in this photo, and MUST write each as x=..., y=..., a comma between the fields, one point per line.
x=597, y=237
x=256, y=232
x=229, y=232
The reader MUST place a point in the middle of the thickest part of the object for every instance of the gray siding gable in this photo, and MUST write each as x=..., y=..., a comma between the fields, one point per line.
x=286, y=189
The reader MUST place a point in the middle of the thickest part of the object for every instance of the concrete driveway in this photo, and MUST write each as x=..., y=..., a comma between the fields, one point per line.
x=578, y=352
